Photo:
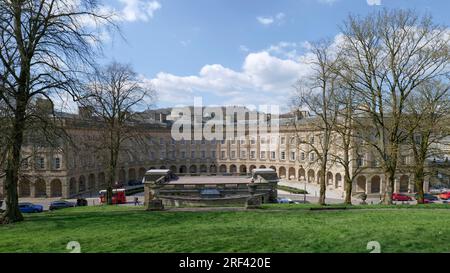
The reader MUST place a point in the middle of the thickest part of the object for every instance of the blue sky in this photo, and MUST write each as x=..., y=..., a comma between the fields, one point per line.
x=232, y=51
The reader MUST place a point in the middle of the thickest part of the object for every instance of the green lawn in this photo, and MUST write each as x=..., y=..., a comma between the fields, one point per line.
x=278, y=228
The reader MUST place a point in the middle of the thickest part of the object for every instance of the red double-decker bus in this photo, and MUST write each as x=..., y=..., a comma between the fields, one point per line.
x=119, y=196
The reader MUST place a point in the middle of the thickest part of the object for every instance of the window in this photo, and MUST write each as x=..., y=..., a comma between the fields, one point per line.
x=41, y=163
x=302, y=156
x=233, y=141
x=263, y=140
x=252, y=154
x=283, y=140
x=233, y=154
x=192, y=154
x=203, y=154
x=161, y=141
x=213, y=154
x=243, y=154
x=213, y=142
x=192, y=142
x=172, y=154
x=203, y=141
x=253, y=141
x=57, y=163
x=223, y=155
x=360, y=161
x=183, y=155
x=311, y=140
x=263, y=155
x=162, y=155
x=273, y=155
x=152, y=155
x=183, y=142
x=242, y=141
x=283, y=155
x=312, y=157
x=292, y=156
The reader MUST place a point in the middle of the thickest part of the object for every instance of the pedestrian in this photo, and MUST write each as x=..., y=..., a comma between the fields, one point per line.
x=136, y=201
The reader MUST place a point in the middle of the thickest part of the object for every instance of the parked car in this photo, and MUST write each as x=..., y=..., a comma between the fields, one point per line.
x=30, y=208
x=401, y=197
x=285, y=201
x=445, y=195
x=428, y=198
x=134, y=182
x=61, y=205
x=81, y=202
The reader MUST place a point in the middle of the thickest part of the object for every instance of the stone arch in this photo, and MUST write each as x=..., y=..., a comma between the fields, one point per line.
x=73, y=186
x=301, y=174
x=338, y=180
x=132, y=174
x=102, y=180
x=273, y=168
x=329, y=178
x=223, y=169
x=193, y=169
x=404, y=183
x=243, y=169
x=262, y=167
x=375, y=185
x=25, y=188
x=122, y=176
x=311, y=176
x=173, y=169
x=40, y=188
x=81, y=184
x=233, y=169
x=142, y=172
x=203, y=169
x=91, y=182
x=282, y=172
x=291, y=173
x=319, y=176
x=361, y=184
x=183, y=169
x=213, y=169
x=56, y=188
x=252, y=167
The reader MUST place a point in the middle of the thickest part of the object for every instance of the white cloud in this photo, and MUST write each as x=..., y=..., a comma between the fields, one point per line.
x=263, y=79
x=268, y=20
x=139, y=10
x=244, y=48
x=374, y=2
x=330, y=2
x=265, y=20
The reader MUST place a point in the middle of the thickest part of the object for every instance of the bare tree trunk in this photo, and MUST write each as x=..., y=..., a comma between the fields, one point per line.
x=322, y=197
x=418, y=181
x=389, y=189
x=12, y=213
x=348, y=188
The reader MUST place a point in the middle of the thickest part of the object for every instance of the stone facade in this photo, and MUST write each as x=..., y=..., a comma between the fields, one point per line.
x=68, y=172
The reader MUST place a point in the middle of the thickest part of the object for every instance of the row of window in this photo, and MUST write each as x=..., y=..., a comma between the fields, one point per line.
x=272, y=155
x=263, y=140
x=40, y=163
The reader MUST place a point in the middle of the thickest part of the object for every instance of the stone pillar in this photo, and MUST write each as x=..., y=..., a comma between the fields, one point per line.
x=65, y=188
x=368, y=186
x=397, y=185
x=32, y=188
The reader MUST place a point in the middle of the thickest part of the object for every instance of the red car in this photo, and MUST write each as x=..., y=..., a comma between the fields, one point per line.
x=400, y=197
x=445, y=195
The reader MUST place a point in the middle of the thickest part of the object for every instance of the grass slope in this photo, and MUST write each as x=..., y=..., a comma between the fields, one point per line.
x=120, y=229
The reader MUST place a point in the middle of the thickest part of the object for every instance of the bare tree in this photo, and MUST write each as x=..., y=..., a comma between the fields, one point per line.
x=316, y=95
x=113, y=95
x=348, y=147
x=45, y=46
x=388, y=54
x=428, y=110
